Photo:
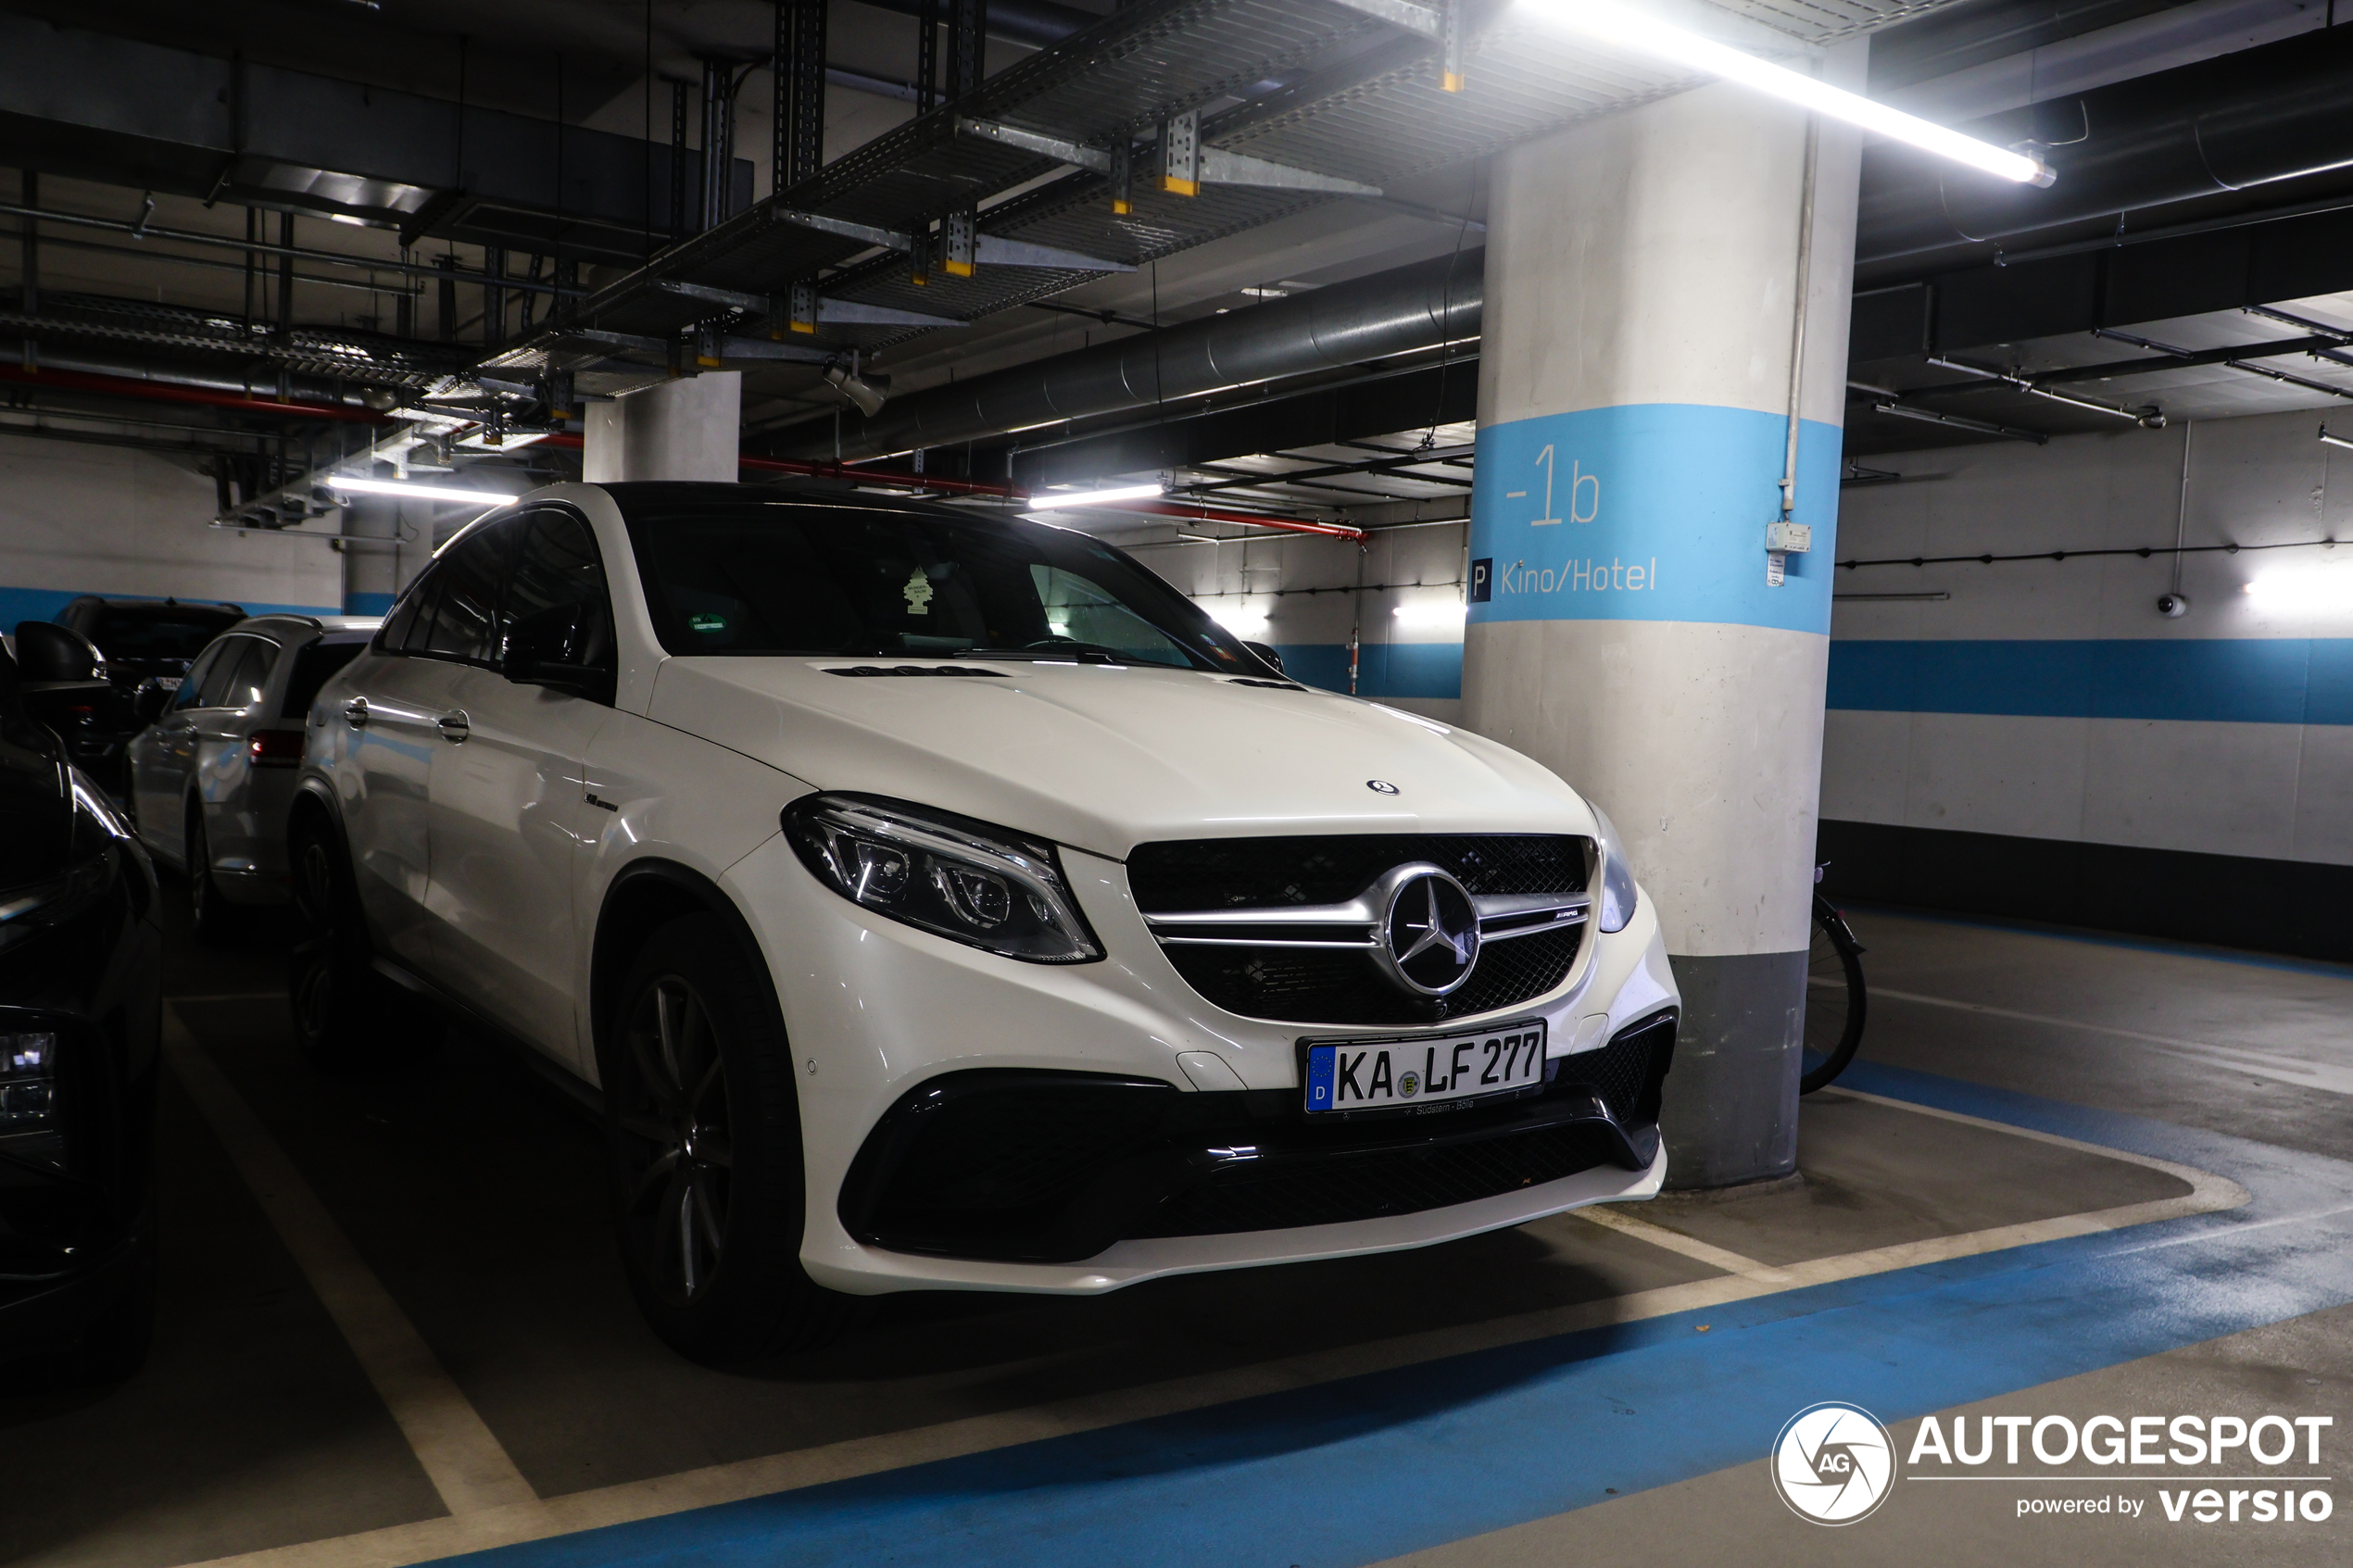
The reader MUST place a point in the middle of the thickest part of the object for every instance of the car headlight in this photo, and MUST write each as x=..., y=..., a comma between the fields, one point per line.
x=28, y=1085
x=1617, y=876
x=949, y=875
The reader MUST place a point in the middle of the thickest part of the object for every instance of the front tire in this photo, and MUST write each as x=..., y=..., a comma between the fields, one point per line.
x=703, y=1125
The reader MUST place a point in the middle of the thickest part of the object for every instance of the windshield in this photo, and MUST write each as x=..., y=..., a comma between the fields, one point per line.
x=159, y=630
x=798, y=575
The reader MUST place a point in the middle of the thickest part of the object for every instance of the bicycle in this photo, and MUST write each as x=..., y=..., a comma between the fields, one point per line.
x=1836, y=1003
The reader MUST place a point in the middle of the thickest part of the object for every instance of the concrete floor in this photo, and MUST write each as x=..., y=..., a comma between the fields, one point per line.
x=2071, y=1176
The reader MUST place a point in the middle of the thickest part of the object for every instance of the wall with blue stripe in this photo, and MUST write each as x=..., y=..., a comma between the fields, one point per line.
x=1307, y=595
x=78, y=518
x=2048, y=698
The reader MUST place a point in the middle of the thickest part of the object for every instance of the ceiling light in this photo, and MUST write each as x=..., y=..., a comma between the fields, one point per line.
x=1242, y=619
x=1631, y=28
x=414, y=491
x=2303, y=590
x=2334, y=440
x=346, y=217
x=1096, y=498
x=1431, y=612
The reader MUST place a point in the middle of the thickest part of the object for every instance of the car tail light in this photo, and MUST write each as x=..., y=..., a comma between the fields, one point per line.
x=274, y=749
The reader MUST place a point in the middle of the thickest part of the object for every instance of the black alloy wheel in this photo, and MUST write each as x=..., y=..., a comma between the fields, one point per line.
x=1835, y=1000
x=704, y=1128
x=679, y=1125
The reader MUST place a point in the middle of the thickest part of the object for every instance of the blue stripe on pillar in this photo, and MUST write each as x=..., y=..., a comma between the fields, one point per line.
x=1649, y=512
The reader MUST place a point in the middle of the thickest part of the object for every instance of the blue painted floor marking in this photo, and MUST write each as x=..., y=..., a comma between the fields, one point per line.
x=1369, y=1467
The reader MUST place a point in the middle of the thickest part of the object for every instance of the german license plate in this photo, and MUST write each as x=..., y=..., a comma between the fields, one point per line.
x=1395, y=1074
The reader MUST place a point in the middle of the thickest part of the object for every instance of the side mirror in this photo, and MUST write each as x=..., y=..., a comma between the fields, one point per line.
x=47, y=651
x=1273, y=659
x=148, y=702
x=544, y=649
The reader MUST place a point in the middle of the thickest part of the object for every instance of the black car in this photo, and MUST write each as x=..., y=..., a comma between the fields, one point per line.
x=140, y=640
x=81, y=962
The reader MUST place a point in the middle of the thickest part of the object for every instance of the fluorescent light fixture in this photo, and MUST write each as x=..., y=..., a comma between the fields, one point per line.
x=414, y=491
x=346, y=217
x=1095, y=497
x=1242, y=619
x=2334, y=440
x=1632, y=28
x=2303, y=590
x=1431, y=612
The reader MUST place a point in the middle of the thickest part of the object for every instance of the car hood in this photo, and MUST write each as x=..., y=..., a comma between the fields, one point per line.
x=1104, y=757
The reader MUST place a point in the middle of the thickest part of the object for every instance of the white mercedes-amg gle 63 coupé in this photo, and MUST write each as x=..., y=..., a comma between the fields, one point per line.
x=941, y=900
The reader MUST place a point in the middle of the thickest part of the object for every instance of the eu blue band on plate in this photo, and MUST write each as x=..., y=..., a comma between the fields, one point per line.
x=1652, y=511
x=1319, y=1077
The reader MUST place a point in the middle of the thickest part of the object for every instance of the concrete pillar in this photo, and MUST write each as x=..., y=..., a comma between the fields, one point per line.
x=689, y=427
x=1633, y=411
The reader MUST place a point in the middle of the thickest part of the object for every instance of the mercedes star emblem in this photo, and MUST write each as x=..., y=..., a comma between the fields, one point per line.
x=1430, y=937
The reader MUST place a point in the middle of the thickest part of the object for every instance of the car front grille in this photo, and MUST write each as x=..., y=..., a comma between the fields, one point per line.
x=1320, y=985
x=1339, y=986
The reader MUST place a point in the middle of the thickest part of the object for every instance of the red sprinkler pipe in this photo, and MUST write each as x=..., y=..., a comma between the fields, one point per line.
x=165, y=392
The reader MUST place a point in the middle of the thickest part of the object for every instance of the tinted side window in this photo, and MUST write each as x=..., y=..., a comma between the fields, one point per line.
x=465, y=602
x=249, y=677
x=558, y=591
x=192, y=685
x=230, y=652
x=392, y=635
x=315, y=663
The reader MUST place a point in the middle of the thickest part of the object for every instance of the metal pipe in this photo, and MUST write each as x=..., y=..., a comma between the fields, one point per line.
x=257, y=247
x=96, y=373
x=1167, y=508
x=1393, y=312
x=1798, y=321
x=2220, y=125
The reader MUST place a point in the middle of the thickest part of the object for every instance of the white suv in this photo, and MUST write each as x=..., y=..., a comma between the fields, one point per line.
x=942, y=900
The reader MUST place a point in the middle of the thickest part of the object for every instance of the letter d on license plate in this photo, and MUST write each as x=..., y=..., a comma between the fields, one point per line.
x=1395, y=1074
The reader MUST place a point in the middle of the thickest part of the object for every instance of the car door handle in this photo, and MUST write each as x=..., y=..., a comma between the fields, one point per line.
x=454, y=726
x=354, y=712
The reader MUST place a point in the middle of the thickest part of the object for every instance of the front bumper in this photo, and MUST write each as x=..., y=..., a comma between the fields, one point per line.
x=875, y=1009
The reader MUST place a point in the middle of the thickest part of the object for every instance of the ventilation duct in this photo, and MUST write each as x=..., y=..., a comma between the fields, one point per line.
x=1420, y=306
x=2220, y=125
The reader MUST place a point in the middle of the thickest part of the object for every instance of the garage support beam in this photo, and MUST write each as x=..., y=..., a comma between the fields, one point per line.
x=1627, y=626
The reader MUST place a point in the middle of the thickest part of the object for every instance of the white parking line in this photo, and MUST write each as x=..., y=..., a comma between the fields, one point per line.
x=464, y=1459
x=2334, y=1079
x=1675, y=1241
x=400, y=1545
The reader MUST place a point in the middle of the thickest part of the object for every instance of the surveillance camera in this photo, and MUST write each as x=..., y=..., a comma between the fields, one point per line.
x=2173, y=606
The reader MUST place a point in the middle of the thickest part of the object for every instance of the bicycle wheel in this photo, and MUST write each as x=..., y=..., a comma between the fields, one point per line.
x=1834, y=999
